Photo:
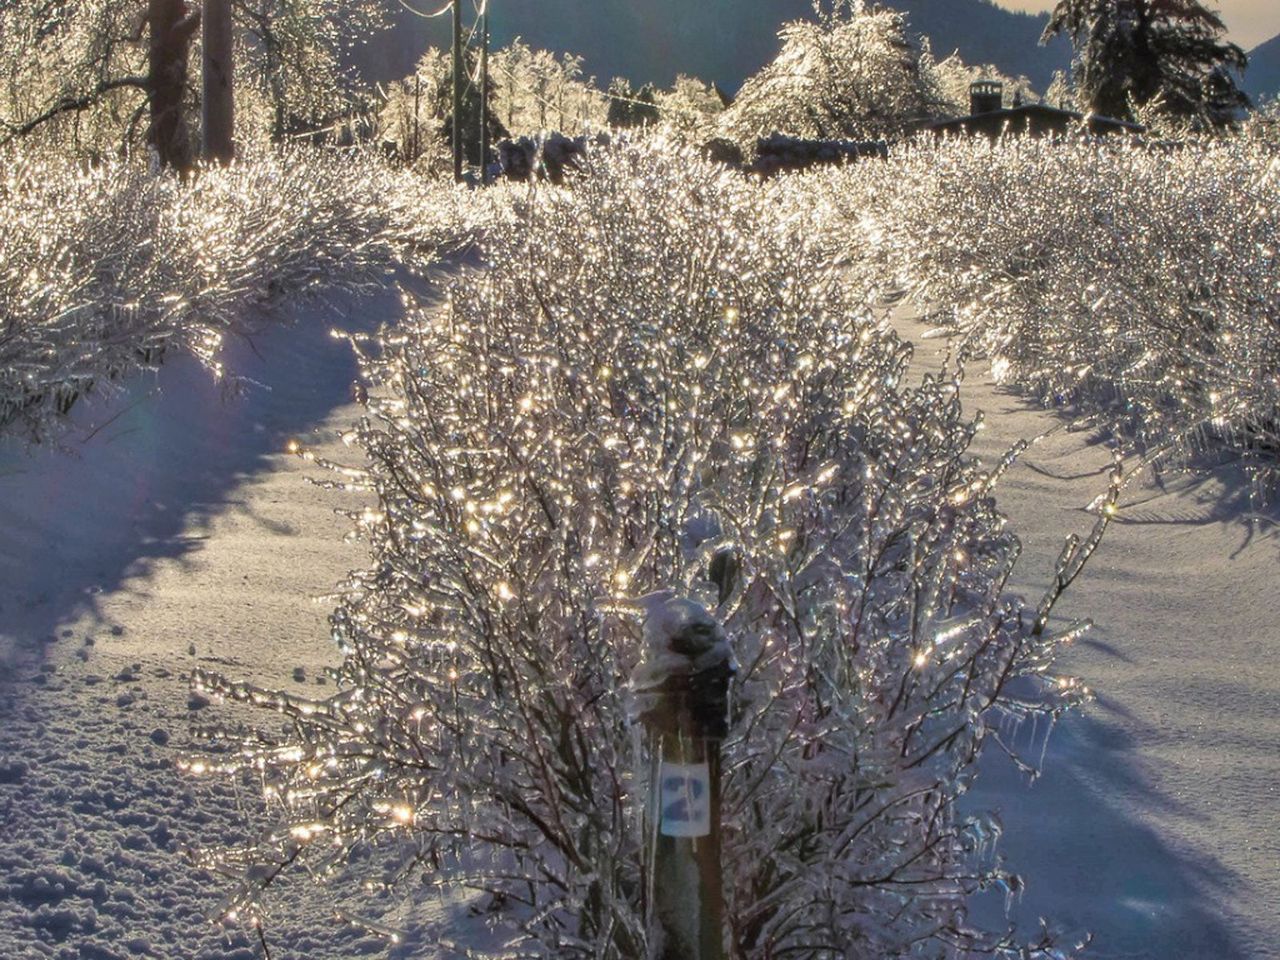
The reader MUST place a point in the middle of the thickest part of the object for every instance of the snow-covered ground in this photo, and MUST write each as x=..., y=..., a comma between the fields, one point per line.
x=173, y=532
x=1156, y=824
x=176, y=532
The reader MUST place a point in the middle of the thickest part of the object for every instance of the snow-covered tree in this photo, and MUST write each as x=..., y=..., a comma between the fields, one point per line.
x=73, y=73
x=1061, y=92
x=539, y=91
x=413, y=112
x=77, y=73
x=1169, y=54
x=292, y=53
x=854, y=72
x=656, y=366
x=690, y=108
x=532, y=91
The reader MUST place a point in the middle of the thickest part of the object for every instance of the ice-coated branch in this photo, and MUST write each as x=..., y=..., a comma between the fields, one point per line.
x=1075, y=554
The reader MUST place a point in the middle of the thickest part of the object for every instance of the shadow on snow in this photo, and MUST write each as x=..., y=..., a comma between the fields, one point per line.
x=139, y=474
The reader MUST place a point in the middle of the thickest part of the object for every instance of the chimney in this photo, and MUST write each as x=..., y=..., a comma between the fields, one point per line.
x=985, y=96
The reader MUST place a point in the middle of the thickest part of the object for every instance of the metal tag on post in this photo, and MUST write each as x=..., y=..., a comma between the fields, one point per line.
x=685, y=799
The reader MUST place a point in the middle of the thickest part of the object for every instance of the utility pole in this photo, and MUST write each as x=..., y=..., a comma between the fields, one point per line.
x=417, y=101
x=457, y=90
x=218, y=100
x=484, y=94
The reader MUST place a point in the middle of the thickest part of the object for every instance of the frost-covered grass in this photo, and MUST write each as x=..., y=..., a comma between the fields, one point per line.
x=657, y=366
x=1139, y=285
x=105, y=270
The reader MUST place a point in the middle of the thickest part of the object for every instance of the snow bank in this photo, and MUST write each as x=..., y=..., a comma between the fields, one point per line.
x=1154, y=825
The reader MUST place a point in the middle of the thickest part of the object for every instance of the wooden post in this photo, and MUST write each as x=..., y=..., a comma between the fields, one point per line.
x=219, y=102
x=688, y=882
x=457, y=90
x=686, y=716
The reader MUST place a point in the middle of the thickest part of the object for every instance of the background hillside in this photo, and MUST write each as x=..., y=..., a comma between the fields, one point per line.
x=721, y=40
x=1262, y=79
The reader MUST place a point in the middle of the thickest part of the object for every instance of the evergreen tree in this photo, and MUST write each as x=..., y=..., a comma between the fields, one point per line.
x=690, y=108
x=632, y=108
x=645, y=112
x=1168, y=54
x=540, y=91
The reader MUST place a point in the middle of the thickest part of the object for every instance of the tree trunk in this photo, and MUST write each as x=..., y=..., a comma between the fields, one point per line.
x=218, y=103
x=172, y=27
x=484, y=96
x=457, y=90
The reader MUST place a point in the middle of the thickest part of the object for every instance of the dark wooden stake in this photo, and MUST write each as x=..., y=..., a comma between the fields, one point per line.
x=687, y=888
x=686, y=726
x=484, y=94
x=457, y=90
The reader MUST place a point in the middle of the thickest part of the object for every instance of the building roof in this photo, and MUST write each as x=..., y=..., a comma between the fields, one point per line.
x=1031, y=116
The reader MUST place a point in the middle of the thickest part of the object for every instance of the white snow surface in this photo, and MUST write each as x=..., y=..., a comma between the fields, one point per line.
x=1156, y=823
x=173, y=520
x=172, y=531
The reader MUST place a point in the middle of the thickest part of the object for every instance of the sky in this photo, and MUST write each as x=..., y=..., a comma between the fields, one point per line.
x=1249, y=22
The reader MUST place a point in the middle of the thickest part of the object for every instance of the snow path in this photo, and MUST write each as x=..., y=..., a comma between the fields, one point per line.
x=1156, y=824
x=179, y=534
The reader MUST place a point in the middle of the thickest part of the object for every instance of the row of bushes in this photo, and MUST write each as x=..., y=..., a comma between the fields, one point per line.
x=105, y=270
x=659, y=367
x=1140, y=286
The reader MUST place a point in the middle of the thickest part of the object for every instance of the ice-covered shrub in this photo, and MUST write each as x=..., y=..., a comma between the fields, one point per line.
x=1138, y=282
x=657, y=367
x=1263, y=124
x=105, y=269
x=855, y=72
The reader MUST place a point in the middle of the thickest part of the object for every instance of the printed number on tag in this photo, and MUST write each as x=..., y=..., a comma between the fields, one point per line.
x=685, y=798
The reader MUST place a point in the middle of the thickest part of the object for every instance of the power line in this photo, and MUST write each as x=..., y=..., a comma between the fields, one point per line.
x=427, y=16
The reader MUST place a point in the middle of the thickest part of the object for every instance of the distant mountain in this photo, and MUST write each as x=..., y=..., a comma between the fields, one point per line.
x=1262, y=79
x=984, y=33
x=721, y=40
